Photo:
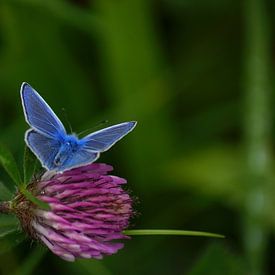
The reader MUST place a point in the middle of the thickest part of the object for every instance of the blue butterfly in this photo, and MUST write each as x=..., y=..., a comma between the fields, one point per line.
x=49, y=141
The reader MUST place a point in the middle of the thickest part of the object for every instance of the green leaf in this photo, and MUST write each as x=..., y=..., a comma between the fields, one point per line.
x=216, y=260
x=9, y=164
x=8, y=220
x=10, y=241
x=32, y=261
x=7, y=231
x=5, y=193
x=29, y=165
x=33, y=199
x=8, y=224
x=171, y=232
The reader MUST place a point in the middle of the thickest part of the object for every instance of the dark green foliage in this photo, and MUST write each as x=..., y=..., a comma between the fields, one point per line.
x=196, y=76
x=9, y=164
x=30, y=165
x=8, y=224
x=11, y=240
x=216, y=260
x=31, y=262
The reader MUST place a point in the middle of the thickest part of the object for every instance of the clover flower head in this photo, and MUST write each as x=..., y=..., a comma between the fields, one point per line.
x=88, y=212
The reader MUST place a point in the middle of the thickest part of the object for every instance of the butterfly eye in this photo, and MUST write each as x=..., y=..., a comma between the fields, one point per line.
x=57, y=161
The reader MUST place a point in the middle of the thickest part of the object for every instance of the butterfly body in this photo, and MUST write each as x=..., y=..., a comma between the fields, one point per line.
x=50, y=142
x=68, y=146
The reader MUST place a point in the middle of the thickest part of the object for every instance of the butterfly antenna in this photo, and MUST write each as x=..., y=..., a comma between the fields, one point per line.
x=100, y=123
x=67, y=120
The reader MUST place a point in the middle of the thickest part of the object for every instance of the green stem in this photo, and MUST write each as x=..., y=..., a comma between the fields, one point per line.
x=171, y=232
x=257, y=133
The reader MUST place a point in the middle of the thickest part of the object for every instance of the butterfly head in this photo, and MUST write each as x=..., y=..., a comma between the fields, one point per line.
x=68, y=147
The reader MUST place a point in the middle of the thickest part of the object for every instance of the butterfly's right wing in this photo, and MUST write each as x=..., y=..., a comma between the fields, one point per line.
x=79, y=158
x=45, y=148
x=38, y=113
x=102, y=140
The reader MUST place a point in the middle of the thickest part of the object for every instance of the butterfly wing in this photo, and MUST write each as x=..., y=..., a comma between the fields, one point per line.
x=79, y=158
x=45, y=148
x=38, y=113
x=102, y=140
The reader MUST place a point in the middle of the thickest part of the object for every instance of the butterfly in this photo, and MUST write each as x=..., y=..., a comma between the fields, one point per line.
x=48, y=140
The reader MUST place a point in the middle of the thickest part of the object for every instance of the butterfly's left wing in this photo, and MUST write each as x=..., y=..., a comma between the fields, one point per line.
x=102, y=140
x=79, y=158
x=39, y=115
x=45, y=148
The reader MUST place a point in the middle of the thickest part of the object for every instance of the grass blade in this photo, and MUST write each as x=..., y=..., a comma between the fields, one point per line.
x=170, y=232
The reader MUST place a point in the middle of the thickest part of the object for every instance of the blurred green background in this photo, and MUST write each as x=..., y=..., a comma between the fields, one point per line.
x=197, y=76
